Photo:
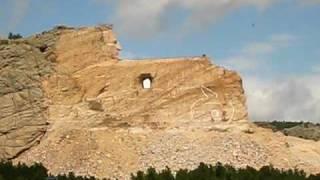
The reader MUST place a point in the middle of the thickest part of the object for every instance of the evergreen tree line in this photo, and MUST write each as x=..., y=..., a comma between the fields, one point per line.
x=37, y=171
x=14, y=36
x=278, y=125
x=8, y=171
x=224, y=172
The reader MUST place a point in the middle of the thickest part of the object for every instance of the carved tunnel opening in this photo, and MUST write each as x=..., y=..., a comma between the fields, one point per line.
x=146, y=81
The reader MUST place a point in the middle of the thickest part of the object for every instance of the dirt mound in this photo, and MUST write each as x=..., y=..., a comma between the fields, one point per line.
x=115, y=153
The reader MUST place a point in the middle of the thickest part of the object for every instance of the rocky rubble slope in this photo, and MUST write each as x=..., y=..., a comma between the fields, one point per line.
x=115, y=153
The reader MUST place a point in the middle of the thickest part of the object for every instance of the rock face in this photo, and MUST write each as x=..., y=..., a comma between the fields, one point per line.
x=22, y=109
x=185, y=92
x=68, y=95
x=81, y=69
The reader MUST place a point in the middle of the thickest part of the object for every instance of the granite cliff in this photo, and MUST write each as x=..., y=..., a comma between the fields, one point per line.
x=69, y=101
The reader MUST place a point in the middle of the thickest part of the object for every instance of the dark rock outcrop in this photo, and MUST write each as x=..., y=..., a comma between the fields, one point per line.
x=23, y=65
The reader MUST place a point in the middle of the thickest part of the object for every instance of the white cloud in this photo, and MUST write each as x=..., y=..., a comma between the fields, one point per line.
x=143, y=18
x=290, y=99
x=131, y=55
x=241, y=63
x=256, y=54
x=258, y=48
x=140, y=16
x=316, y=68
x=283, y=39
x=273, y=43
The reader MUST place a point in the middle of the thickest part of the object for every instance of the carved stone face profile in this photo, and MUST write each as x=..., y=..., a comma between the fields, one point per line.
x=117, y=45
x=113, y=41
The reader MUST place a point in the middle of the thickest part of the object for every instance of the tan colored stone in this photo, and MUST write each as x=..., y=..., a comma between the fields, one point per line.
x=82, y=108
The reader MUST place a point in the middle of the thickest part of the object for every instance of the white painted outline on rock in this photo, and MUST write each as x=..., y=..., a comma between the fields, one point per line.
x=192, y=111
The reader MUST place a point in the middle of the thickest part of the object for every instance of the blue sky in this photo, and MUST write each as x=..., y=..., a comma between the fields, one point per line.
x=273, y=44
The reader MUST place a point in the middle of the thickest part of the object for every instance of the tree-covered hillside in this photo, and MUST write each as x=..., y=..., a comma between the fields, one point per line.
x=305, y=130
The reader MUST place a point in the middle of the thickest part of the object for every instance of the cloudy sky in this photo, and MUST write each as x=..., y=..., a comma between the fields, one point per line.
x=274, y=44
